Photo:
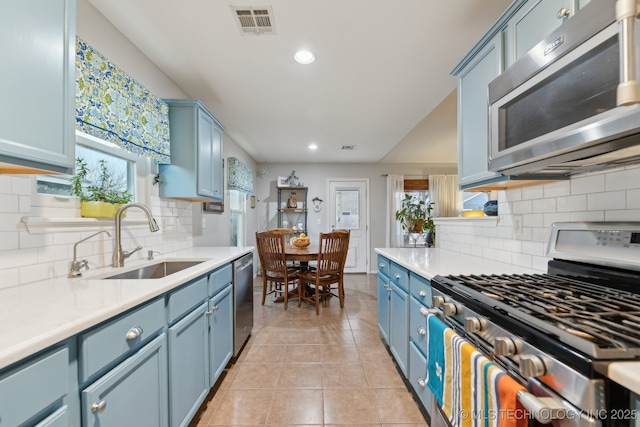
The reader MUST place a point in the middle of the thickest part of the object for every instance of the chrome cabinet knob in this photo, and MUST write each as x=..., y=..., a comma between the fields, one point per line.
x=422, y=383
x=396, y=276
x=474, y=324
x=505, y=346
x=133, y=333
x=450, y=309
x=422, y=293
x=424, y=311
x=437, y=301
x=381, y=265
x=98, y=408
x=531, y=366
x=422, y=331
x=564, y=13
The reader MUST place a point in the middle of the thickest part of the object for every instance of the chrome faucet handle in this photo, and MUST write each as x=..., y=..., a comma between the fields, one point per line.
x=127, y=254
x=151, y=253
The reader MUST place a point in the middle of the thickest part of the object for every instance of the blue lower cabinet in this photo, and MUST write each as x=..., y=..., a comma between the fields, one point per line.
x=384, y=289
x=220, y=332
x=399, y=326
x=417, y=377
x=188, y=366
x=134, y=393
x=417, y=325
x=60, y=418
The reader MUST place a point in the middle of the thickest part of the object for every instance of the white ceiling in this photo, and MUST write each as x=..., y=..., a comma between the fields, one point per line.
x=382, y=66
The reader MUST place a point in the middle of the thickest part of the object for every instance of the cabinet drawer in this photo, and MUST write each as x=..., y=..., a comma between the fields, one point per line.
x=417, y=325
x=383, y=265
x=417, y=378
x=106, y=343
x=421, y=289
x=399, y=276
x=219, y=279
x=60, y=418
x=184, y=299
x=30, y=389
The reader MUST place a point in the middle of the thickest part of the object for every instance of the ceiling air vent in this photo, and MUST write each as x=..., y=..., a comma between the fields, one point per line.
x=349, y=147
x=254, y=20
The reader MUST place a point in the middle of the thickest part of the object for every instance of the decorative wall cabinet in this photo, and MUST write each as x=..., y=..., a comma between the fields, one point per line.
x=196, y=169
x=37, y=82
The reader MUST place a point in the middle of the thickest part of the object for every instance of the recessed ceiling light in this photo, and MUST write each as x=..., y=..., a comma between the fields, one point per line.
x=304, y=57
x=313, y=147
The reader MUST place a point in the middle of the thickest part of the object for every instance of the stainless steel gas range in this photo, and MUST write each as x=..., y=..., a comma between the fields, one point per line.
x=557, y=333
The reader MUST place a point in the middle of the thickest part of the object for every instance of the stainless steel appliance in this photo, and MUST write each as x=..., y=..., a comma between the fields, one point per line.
x=557, y=333
x=571, y=103
x=242, y=301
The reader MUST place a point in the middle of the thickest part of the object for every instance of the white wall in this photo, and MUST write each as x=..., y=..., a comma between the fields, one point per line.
x=612, y=195
x=315, y=176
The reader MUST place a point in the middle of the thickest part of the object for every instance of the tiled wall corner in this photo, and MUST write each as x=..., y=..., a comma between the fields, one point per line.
x=612, y=195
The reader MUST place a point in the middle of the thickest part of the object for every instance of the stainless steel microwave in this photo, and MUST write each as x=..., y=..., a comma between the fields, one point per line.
x=572, y=103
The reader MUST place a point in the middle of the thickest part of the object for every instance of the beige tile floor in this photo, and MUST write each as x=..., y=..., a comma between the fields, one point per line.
x=303, y=369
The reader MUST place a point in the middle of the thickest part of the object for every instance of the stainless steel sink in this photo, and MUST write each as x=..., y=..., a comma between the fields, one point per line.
x=155, y=271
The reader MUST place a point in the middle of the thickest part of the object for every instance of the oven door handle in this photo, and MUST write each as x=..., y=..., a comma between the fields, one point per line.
x=543, y=409
x=628, y=91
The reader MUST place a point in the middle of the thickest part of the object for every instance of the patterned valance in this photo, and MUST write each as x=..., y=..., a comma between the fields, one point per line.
x=112, y=106
x=240, y=176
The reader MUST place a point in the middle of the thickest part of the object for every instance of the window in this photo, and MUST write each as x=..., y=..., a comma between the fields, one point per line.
x=237, y=208
x=474, y=201
x=120, y=164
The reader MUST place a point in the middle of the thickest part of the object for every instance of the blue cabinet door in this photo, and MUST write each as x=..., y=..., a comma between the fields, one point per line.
x=188, y=366
x=418, y=377
x=473, y=120
x=399, y=326
x=383, y=306
x=37, y=83
x=220, y=332
x=134, y=393
x=209, y=157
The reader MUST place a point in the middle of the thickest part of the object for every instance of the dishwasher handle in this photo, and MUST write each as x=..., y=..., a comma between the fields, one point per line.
x=238, y=266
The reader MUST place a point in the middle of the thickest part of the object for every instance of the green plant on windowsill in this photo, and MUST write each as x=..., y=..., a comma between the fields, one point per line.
x=415, y=217
x=101, y=197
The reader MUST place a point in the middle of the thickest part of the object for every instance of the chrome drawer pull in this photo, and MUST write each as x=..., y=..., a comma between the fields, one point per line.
x=422, y=331
x=422, y=383
x=133, y=333
x=99, y=407
x=381, y=265
x=215, y=308
x=422, y=293
x=208, y=313
x=396, y=276
x=563, y=13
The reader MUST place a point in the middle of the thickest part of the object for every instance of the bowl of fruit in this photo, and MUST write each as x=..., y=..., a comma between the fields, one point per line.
x=301, y=241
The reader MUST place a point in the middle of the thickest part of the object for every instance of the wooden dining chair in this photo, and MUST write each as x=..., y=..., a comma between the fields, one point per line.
x=273, y=262
x=329, y=270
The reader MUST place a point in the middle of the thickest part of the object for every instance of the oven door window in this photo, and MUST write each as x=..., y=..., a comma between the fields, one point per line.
x=584, y=88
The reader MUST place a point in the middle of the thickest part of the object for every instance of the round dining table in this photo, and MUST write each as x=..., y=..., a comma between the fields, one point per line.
x=301, y=255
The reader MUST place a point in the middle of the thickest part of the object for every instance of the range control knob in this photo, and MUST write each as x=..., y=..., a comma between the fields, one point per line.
x=438, y=301
x=505, y=346
x=474, y=324
x=450, y=309
x=531, y=366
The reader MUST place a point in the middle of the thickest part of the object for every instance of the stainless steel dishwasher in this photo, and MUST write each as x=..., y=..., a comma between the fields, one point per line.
x=242, y=301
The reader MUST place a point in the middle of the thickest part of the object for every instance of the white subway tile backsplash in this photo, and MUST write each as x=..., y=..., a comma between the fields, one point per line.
x=572, y=203
x=533, y=248
x=633, y=199
x=9, y=277
x=533, y=220
x=544, y=205
x=10, y=221
x=10, y=204
x=21, y=185
x=522, y=207
x=557, y=189
x=607, y=201
x=550, y=218
x=530, y=193
x=523, y=260
x=623, y=215
x=9, y=241
x=622, y=180
x=5, y=184
x=587, y=184
x=587, y=216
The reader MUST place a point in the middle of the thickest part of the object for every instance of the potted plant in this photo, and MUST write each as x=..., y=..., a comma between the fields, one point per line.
x=99, y=191
x=415, y=217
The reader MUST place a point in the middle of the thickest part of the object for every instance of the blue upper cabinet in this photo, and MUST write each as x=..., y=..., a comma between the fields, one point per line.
x=196, y=171
x=37, y=83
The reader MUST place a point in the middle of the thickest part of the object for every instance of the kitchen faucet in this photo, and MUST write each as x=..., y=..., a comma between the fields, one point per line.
x=76, y=265
x=118, y=254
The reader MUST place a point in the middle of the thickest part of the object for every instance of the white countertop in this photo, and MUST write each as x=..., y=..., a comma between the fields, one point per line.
x=37, y=315
x=433, y=261
x=430, y=262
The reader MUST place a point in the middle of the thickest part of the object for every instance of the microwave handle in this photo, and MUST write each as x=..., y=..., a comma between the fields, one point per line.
x=628, y=91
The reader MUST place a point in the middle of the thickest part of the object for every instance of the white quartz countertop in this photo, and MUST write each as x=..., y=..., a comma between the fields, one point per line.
x=37, y=315
x=430, y=262
x=627, y=374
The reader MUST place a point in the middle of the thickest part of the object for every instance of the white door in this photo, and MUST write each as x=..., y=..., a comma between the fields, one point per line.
x=348, y=209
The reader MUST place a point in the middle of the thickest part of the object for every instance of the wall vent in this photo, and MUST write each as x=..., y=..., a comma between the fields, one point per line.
x=254, y=20
x=349, y=147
